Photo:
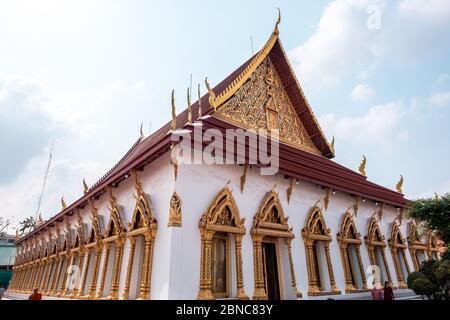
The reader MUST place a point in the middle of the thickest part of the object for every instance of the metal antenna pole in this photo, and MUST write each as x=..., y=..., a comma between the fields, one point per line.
x=45, y=181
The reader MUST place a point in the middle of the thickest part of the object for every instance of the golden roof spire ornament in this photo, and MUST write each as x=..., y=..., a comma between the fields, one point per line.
x=199, y=102
x=238, y=82
x=189, y=108
x=362, y=166
x=40, y=220
x=141, y=131
x=17, y=234
x=278, y=21
x=399, y=185
x=63, y=203
x=212, y=95
x=85, y=186
x=174, y=114
x=332, y=144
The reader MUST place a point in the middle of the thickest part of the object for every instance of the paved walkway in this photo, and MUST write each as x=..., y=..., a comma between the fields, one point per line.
x=402, y=294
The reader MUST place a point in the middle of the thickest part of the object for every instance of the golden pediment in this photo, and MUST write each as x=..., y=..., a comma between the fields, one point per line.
x=262, y=103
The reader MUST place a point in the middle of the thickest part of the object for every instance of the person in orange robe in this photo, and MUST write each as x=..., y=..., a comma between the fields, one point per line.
x=35, y=295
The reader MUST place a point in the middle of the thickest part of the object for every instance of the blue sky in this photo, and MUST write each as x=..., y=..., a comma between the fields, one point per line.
x=87, y=73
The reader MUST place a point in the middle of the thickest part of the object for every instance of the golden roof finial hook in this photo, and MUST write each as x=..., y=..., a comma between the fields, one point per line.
x=332, y=144
x=189, y=109
x=399, y=185
x=141, y=131
x=199, y=102
x=17, y=234
x=212, y=95
x=174, y=114
x=63, y=203
x=278, y=21
x=85, y=186
x=362, y=166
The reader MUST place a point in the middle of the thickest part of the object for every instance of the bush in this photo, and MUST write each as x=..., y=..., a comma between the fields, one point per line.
x=413, y=276
x=424, y=287
x=429, y=269
x=443, y=272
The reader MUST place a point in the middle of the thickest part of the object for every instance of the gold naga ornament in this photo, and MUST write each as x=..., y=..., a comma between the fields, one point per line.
x=173, y=125
x=199, y=102
x=362, y=166
x=175, y=211
x=399, y=185
x=244, y=177
x=189, y=108
x=290, y=189
x=63, y=203
x=85, y=186
x=332, y=145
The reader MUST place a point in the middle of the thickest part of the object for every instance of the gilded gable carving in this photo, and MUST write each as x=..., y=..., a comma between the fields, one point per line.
x=262, y=103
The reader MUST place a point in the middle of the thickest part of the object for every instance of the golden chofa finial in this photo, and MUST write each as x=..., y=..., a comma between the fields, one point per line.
x=278, y=21
x=199, y=102
x=399, y=185
x=332, y=144
x=141, y=131
x=212, y=95
x=189, y=108
x=63, y=203
x=85, y=186
x=40, y=220
x=362, y=166
x=173, y=125
x=17, y=234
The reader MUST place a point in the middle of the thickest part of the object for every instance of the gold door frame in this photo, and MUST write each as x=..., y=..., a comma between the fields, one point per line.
x=316, y=230
x=344, y=239
x=373, y=239
x=266, y=225
x=397, y=242
x=216, y=219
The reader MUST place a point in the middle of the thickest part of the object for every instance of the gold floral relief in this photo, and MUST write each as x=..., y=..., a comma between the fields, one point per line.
x=262, y=103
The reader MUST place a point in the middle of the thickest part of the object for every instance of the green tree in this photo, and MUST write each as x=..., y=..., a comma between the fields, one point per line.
x=424, y=287
x=413, y=276
x=436, y=213
x=27, y=225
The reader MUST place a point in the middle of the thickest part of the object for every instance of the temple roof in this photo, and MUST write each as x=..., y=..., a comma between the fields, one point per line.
x=294, y=162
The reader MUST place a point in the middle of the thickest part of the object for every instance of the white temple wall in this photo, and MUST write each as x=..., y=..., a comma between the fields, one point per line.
x=199, y=184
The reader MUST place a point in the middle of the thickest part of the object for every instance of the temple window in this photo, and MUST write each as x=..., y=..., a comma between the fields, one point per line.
x=349, y=242
x=220, y=226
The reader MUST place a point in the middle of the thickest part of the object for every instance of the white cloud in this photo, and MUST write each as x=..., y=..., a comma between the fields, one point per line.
x=378, y=126
x=362, y=93
x=440, y=99
x=342, y=45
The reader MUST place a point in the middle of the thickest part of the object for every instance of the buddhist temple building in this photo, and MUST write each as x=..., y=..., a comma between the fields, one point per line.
x=158, y=227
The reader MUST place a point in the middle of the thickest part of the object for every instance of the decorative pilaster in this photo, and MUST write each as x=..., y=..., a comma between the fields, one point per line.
x=69, y=261
x=349, y=287
x=239, y=274
x=144, y=292
x=330, y=269
x=205, y=292
x=80, y=270
x=313, y=287
x=93, y=285
x=363, y=274
x=297, y=293
x=126, y=289
x=85, y=272
x=55, y=282
x=260, y=288
x=116, y=270
x=105, y=268
x=388, y=272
